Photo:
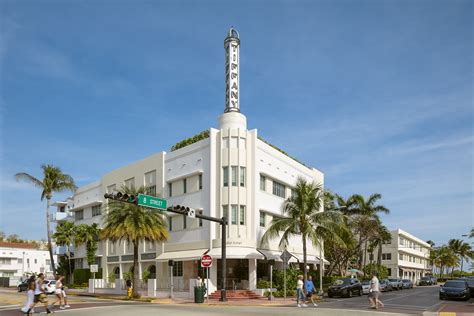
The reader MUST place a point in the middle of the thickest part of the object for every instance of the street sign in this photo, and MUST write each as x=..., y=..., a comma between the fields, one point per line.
x=286, y=256
x=151, y=201
x=206, y=261
x=94, y=268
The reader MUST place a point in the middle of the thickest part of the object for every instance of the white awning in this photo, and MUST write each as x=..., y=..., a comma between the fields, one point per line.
x=182, y=255
x=237, y=253
x=275, y=255
x=309, y=258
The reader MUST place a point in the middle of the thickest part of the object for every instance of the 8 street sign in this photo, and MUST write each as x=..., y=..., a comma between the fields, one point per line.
x=151, y=201
x=206, y=261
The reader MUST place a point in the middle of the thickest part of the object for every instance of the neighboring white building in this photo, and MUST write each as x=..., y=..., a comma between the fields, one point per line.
x=406, y=256
x=20, y=259
x=231, y=173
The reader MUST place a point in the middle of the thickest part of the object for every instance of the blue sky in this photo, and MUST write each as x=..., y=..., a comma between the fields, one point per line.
x=376, y=94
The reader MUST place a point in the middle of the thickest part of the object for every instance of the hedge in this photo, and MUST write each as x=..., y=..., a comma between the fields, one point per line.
x=83, y=275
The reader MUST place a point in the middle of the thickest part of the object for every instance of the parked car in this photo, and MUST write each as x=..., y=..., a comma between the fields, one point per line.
x=457, y=289
x=396, y=284
x=23, y=286
x=365, y=286
x=407, y=284
x=428, y=280
x=49, y=286
x=345, y=287
x=385, y=286
x=470, y=283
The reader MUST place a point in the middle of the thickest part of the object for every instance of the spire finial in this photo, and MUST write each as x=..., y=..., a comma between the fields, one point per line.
x=232, y=75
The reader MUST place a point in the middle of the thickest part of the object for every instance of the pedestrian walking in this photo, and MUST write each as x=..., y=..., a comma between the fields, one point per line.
x=299, y=292
x=309, y=286
x=59, y=292
x=374, y=292
x=129, y=288
x=30, y=295
x=63, y=292
x=39, y=295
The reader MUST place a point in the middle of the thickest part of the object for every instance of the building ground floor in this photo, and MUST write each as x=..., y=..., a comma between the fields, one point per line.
x=245, y=266
x=403, y=272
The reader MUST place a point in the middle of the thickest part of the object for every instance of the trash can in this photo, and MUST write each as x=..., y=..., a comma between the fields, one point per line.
x=199, y=292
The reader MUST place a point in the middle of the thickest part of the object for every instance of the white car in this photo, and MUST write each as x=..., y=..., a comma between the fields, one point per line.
x=49, y=286
x=365, y=286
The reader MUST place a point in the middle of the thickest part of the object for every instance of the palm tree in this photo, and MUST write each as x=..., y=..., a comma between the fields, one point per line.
x=64, y=236
x=54, y=180
x=461, y=249
x=366, y=213
x=132, y=223
x=471, y=234
x=303, y=217
x=88, y=235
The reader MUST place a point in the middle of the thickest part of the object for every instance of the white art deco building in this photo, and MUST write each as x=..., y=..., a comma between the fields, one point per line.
x=229, y=172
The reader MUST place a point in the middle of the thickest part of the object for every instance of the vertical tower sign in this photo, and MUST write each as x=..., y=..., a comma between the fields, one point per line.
x=231, y=45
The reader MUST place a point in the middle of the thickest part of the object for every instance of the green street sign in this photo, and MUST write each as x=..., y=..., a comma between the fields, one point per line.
x=151, y=201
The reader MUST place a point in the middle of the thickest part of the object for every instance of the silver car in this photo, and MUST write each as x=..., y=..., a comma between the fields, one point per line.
x=365, y=286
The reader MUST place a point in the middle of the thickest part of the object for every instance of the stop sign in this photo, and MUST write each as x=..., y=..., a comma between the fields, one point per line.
x=206, y=261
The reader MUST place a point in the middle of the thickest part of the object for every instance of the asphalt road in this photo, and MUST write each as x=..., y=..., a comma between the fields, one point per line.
x=416, y=301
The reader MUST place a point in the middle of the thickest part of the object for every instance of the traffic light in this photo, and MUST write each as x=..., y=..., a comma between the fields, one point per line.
x=190, y=212
x=122, y=197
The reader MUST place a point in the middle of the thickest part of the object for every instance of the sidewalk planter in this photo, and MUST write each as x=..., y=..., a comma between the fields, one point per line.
x=262, y=292
x=199, y=292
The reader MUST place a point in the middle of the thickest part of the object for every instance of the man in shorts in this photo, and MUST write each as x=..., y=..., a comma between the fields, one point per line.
x=374, y=292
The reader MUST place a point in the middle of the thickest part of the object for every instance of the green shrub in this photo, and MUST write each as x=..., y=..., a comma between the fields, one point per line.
x=291, y=278
x=191, y=140
x=112, y=277
x=127, y=275
x=78, y=286
x=146, y=275
x=83, y=275
x=263, y=284
x=381, y=270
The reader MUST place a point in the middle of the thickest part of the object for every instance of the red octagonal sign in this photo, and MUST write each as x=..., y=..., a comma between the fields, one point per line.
x=206, y=261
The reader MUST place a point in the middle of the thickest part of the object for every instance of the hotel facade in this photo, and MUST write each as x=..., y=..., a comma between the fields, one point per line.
x=229, y=172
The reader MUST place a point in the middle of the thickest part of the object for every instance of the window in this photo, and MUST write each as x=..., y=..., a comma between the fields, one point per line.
x=178, y=269
x=293, y=193
x=96, y=210
x=36, y=260
x=184, y=222
x=48, y=262
x=389, y=271
x=78, y=263
x=400, y=256
x=28, y=261
x=78, y=215
x=278, y=189
x=185, y=186
x=151, y=190
x=371, y=256
x=386, y=256
x=402, y=241
x=130, y=183
x=234, y=176
x=262, y=219
x=263, y=185
x=20, y=260
x=112, y=247
x=6, y=260
x=200, y=219
x=242, y=215
x=225, y=211
x=242, y=176
x=225, y=174
x=150, y=178
x=200, y=182
x=170, y=189
x=170, y=223
x=234, y=215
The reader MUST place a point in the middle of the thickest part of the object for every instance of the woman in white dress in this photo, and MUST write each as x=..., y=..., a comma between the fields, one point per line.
x=30, y=295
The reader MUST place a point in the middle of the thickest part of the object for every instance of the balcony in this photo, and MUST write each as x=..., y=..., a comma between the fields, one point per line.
x=61, y=216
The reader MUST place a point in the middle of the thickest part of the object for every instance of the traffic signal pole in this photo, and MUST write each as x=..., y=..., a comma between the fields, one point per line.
x=184, y=211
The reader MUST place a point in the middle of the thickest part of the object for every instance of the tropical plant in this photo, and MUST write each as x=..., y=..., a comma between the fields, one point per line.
x=461, y=249
x=145, y=275
x=88, y=235
x=132, y=223
x=380, y=270
x=64, y=236
x=471, y=234
x=303, y=218
x=443, y=258
x=54, y=180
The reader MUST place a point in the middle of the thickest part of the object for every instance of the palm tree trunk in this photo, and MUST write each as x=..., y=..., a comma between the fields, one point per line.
x=462, y=262
x=135, y=269
x=50, y=245
x=305, y=272
x=379, y=254
x=69, y=263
